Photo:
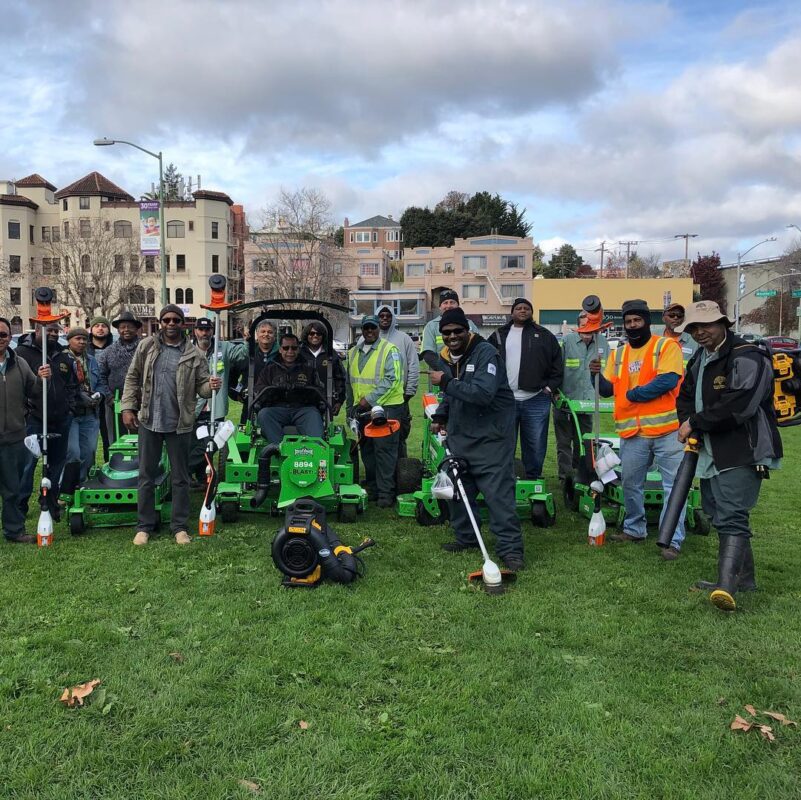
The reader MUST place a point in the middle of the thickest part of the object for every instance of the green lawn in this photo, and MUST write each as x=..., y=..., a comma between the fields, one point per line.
x=599, y=675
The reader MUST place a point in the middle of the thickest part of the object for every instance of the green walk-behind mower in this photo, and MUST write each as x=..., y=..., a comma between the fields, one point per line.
x=108, y=498
x=265, y=477
x=532, y=498
x=578, y=494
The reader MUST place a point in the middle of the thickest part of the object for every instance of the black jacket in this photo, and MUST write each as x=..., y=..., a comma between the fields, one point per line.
x=16, y=386
x=62, y=387
x=540, y=359
x=282, y=385
x=737, y=394
x=321, y=362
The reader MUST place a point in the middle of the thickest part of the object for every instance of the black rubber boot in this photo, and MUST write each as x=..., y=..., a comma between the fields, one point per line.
x=745, y=580
x=731, y=551
x=263, y=476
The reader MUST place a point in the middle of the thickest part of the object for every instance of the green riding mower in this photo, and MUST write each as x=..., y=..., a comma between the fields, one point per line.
x=264, y=477
x=108, y=497
x=576, y=491
x=416, y=478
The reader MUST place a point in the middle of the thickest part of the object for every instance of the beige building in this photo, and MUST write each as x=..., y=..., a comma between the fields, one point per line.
x=92, y=227
x=374, y=244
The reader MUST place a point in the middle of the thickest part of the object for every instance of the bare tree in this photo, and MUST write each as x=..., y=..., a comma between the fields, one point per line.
x=11, y=285
x=649, y=266
x=96, y=267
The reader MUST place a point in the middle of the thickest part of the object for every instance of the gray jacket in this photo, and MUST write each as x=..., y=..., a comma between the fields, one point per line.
x=18, y=384
x=114, y=361
x=231, y=356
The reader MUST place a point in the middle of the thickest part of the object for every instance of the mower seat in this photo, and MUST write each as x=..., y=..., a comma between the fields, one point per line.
x=117, y=473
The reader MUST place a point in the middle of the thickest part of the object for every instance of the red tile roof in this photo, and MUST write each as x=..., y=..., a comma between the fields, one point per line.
x=17, y=200
x=35, y=181
x=92, y=185
x=204, y=194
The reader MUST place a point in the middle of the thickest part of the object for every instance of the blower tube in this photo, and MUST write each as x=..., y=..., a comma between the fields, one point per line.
x=679, y=492
x=263, y=478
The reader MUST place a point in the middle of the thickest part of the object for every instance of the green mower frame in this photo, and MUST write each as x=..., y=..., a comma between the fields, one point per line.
x=302, y=466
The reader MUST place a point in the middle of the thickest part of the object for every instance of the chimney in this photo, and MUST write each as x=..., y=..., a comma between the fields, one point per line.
x=347, y=223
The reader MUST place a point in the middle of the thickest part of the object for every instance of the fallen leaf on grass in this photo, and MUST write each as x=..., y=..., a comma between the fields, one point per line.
x=744, y=725
x=751, y=710
x=741, y=724
x=779, y=718
x=250, y=786
x=303, y=725
x=767, y=732
x=176, y=656
x=721, y=701
x=75, y=695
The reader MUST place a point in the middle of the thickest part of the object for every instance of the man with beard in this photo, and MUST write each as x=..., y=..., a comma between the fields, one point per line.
x=644, y=378
x=478, y=412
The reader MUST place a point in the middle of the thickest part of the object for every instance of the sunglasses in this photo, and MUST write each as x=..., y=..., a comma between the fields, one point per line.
x=315, y=333
x=4, y=335
x=454, y=332
x=171, y=320
x=289, y=347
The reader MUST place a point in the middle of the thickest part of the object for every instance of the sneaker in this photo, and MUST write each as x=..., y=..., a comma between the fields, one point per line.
x=670, y=554
x=626, y=537
x=458, y=547
x=513, y=563
x=182, y=537
x=142, y=537
x=22, y=538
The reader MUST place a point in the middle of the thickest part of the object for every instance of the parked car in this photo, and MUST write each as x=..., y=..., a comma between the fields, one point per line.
x=780, y=342
x=751, y=337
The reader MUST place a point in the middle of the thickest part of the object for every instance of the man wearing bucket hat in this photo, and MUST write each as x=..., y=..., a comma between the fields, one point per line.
x=727, y=399
x=673, y=317
x=644, y=378
x=432, y=343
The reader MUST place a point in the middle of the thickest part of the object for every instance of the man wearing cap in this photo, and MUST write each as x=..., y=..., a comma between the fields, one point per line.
x=578, y=349
x=85, y=426
x=375, y=378
x=432, y=339
x=113, y=362
x=165, y=378
x=533, y=363
x=727, y=399
x=477, y=411
x=101, y=338
x=673, y=317
x=644, y=378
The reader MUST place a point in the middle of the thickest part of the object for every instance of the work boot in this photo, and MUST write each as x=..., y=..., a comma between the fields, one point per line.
x=458, y=547
x=513, y=563
x=670, y=553
x=142, y=537
x=626, y=537
x=731, y=551
x=182, y=537
x=385, y=502
x=22, y=538
x=745, y=580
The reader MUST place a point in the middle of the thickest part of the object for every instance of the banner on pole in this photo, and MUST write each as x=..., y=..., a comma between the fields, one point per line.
x=150, y=231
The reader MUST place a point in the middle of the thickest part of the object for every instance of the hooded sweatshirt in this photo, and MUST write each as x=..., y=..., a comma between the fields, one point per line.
x=408, y=353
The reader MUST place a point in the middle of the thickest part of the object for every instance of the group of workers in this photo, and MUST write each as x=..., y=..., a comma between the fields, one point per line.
x=697, y=377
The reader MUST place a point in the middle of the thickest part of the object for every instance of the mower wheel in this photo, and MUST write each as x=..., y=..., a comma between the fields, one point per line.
x=702, y=525
x=569, y=494
x=426, y=519
x=229, y=512
x=347, y=512
x=540, y=516
x=408, y=475
x=77, y=525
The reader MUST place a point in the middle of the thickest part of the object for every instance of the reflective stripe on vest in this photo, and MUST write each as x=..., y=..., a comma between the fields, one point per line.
x=653, y=418
x=364, y=382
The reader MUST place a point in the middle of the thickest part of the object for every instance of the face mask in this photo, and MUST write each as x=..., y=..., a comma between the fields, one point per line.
x=639, y=336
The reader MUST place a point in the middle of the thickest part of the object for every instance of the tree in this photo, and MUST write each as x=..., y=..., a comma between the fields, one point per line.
x=10, y=281
x=645, y=266
x=97, y=268
x=339, y=236
x=564, y=263
x=174, y=187
x=453, y=201
x=537, y=261
x=705, y=271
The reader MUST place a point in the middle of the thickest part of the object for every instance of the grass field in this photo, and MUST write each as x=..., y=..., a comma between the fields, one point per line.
x=599, y=675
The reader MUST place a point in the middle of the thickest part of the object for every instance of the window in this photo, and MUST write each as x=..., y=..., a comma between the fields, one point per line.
x=167, y=262
x=150, y=295
x=363, y=307
x=215, y=230
x=119, y=263
x=15, y=295
x=474, y=291
x=175, y=229
x=30, y=233
x=106, y=226
x=513, y=262
x=415, y=270
x=134, y=263
x=123, y=229
x=393, y=236
x=85, y=230
x=83, y=203
x=189, y=296
x=47, y=266
x=180, y=262
x=137, y=295
x=13, y=229
x=86, y=265
x=370, y=269
x=362, y=236
x=14, y=263
x=45, y=233
x=150, y=263
x=56, y=233
x=408, y=308
x=215, y=263
x=474, y=263
x=509, y=291
x=337, y=268
x=191, y=226
x=168, y=295
x=64, y=205
x=56, y=266
x=375, y=236
x=66, y=230
x=448, y=266
x=179, y=296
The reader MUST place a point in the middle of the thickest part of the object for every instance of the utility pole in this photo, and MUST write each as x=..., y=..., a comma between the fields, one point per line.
x=628, y=254
x=686, y=237
x=601, y=248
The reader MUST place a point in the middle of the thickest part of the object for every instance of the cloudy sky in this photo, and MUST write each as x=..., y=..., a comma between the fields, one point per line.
x=606, y=120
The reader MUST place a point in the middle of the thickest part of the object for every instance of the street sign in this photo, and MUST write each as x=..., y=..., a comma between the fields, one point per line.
x=766, y=293
x=796, y=293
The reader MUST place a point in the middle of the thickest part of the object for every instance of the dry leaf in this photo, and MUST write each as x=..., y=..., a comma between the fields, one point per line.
x=741, y=724
x=75, y=695
x=779, y=718
x=176, y=656
x=304, y=726
x=721, y=701
x=751, y=710
x=767, y=732
x=250, y=786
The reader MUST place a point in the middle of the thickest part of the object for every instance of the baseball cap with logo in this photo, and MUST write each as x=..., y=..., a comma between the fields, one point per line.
x=705, y=311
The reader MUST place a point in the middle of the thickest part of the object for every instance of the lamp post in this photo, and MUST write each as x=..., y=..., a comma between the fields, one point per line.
x=162, y=260
x=739, y=278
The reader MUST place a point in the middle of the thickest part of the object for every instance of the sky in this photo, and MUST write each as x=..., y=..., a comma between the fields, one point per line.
x=606, y=120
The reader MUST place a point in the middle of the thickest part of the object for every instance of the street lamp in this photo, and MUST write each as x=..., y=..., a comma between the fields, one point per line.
x=104, y=142
x=739, y=278
x=792, y=225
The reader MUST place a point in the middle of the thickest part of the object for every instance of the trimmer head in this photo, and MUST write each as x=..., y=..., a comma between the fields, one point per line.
x=507, y=577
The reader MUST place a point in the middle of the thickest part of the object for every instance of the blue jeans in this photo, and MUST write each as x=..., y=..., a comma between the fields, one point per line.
x=56, y=458
x=531, y=420
x=636, y=456
x=273, y=419
x=82, y=444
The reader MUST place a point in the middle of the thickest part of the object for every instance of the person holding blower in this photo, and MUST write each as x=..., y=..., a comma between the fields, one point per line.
x=726, y=401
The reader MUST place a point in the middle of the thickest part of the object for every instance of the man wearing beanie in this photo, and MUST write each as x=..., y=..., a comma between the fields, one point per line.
x=432, y=339
x=477, y=411
x=101, y=338
x=165, y=378
x=533, y=363
x=644, y=377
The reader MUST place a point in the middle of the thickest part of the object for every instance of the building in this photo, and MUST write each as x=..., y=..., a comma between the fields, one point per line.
x=375, y=245
x=86, y=235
